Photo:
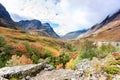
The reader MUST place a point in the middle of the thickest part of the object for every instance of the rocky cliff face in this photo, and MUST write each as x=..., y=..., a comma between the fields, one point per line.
x=5, y=19
x=106, y=29
x=36, y=26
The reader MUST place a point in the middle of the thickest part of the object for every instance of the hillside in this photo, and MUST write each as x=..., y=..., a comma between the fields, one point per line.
x=74, y=34
x=32, y=48
x=107, y=30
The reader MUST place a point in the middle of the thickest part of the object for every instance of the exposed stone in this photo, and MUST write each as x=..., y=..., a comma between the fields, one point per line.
x=22, y=71
x=1, y=78
x=49, y=67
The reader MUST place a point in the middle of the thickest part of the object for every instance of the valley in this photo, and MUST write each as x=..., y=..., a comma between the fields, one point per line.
x=32, y=50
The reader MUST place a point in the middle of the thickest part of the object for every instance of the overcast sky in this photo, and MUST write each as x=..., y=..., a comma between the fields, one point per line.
x=64, y=15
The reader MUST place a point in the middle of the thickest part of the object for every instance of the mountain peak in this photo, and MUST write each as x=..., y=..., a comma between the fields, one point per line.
x=4, y=13
x=37, y=26
x=6, y=20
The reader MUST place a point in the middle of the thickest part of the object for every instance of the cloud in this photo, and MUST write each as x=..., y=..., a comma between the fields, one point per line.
x=71, y=15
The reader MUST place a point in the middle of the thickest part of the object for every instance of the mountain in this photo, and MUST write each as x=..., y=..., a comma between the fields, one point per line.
x=36, y=27
x=5, y=19
x=74, y=34
x=107, y=30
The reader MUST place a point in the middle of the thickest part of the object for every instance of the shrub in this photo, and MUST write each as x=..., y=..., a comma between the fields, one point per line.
x=8, y=49
x=89, y=53
x=35, y=58
x=17, y=60
x=21, y=48
x=107, y=48
x=2, y=63
x=88, y=50
x=64, y=58
x=47, y=53
x=24, y=60
x=112, y=70
x=29, y=48
x=2, y=41
x=13, y=61
x=69, y=65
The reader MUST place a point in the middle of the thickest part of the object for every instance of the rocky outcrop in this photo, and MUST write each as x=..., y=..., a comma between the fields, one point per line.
x=84, y=71
x=25, y=70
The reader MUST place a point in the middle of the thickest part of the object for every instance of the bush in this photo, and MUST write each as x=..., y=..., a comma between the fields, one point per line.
x=88, y=50
x=5, y=51
x=2, y=41
x=17, y=60
x=30, y=51
x=108, y=48
x=112, y=70
x=64, y=58
x=35, y=58
x=47, y=53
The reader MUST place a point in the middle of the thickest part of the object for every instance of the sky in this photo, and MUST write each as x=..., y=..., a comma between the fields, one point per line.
x=63, y=15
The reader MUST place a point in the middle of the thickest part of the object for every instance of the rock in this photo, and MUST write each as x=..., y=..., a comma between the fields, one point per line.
x=1, y=78
x=28, y=77
x=84, y=65
x=49, y=67
x=22, y=71
x=61, y=74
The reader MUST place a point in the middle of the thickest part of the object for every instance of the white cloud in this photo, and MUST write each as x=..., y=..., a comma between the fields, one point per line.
x=71, y=15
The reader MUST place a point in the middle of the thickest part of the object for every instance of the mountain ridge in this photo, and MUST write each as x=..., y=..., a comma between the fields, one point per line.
x=106, y=29
x=74, y=34
x=38, y=27
x=6, y=20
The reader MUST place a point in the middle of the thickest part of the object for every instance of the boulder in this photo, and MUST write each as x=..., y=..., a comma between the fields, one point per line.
x=24, y=70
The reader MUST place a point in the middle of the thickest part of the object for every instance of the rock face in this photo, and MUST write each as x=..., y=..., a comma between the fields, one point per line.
x=25, y=70
x=36, y=27
x=6, y=20
x=107, y=30
x=75, y=34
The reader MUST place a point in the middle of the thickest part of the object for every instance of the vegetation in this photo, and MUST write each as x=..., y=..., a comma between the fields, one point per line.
x=20, y=48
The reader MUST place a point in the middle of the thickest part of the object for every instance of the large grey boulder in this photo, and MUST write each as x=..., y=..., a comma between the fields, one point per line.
x=23, y=71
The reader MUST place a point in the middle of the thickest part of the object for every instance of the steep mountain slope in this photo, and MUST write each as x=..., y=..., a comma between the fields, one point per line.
x=36, y=27
x=107, y=30
x=75, y=34
x=5, y=19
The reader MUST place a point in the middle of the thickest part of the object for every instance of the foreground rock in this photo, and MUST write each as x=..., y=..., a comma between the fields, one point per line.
x=85, y=70
x=23, y=71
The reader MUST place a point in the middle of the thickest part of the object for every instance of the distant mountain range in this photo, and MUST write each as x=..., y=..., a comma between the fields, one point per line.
x=107, y=30
x=74, y=34
x=33, y=26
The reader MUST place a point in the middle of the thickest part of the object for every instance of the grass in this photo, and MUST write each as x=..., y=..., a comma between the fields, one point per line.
x=34, y=47
x=59, y=53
